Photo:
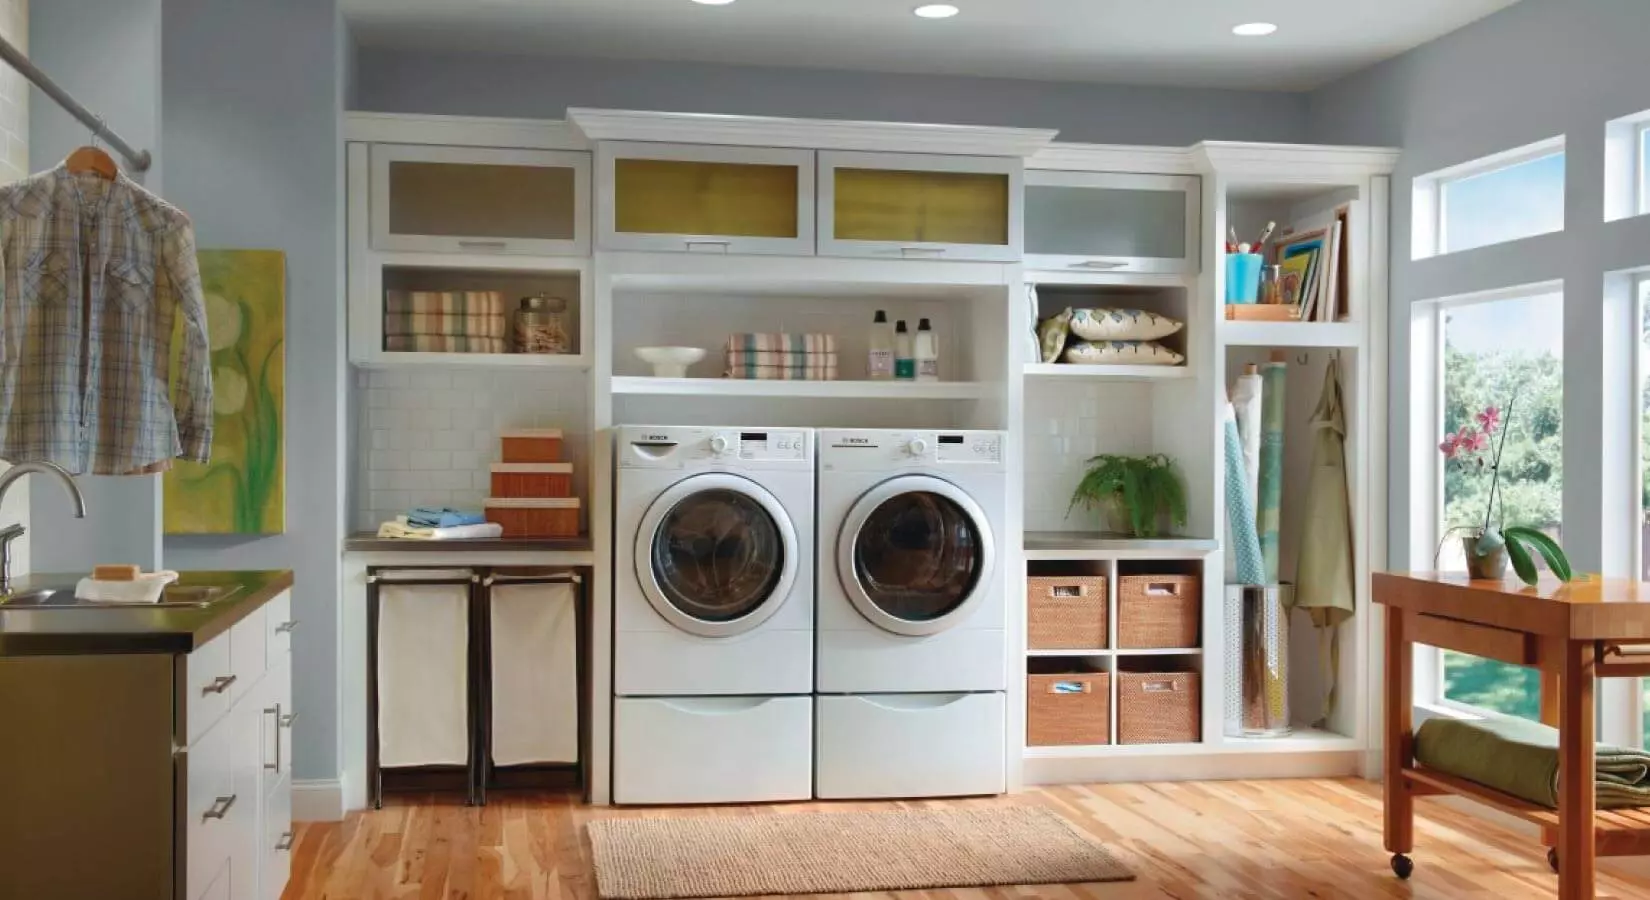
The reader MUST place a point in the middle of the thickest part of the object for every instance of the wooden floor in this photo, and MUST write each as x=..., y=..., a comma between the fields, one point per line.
x=1283, y=839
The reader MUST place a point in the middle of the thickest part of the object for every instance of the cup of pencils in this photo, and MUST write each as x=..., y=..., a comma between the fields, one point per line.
x=1244, y=263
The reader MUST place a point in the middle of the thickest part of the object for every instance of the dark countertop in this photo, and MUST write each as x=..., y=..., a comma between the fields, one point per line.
x=34, y=631
x=369, y=542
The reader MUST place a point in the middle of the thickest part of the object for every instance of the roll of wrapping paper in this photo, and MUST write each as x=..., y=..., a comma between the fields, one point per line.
x=1269, y=498
x=1246, y=400
x=1242, y=542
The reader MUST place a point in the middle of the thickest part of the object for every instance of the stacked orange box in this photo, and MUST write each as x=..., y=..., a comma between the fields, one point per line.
x=532, y=488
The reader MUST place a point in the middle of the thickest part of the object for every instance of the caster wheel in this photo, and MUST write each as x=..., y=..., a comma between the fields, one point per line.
x=1552, y=858
x=1402, y=866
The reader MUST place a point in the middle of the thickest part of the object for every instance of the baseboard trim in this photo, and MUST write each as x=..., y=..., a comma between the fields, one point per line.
x=317, y=800
x=1193, y=767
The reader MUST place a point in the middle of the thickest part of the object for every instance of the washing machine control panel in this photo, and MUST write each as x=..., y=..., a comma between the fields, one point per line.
x=868, y=449
x=677, y=447
x=975, y=447
x=771, y=445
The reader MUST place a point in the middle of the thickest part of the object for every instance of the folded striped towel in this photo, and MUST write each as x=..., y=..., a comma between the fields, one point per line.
x=777, y=358
x=781, y=343
x=816, y=371
x=444, y=343
x=454, y=313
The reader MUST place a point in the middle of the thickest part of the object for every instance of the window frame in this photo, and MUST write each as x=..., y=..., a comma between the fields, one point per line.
x=1430, y=204
x=1641, y=177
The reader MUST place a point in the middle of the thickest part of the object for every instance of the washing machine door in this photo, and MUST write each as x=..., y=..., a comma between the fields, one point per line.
x=913, y=554
x=716, y=555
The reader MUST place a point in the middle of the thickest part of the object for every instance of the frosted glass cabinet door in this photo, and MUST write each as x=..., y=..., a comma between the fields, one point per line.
x=687, y=198
x=477, y=200
x=1090, y=221
x=900, y=205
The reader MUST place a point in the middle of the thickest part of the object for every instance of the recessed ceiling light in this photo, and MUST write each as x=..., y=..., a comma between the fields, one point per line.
x=713, y=2
x=936, y=11
x=1254, y=29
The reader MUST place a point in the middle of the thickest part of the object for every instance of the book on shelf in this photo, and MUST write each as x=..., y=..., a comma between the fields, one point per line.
x=1314, y=261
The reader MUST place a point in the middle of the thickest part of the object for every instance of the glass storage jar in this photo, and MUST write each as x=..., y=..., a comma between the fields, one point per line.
x=541, y=325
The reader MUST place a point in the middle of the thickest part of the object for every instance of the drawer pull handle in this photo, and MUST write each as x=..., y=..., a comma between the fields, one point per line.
x=288, y=719
x=700, y=244
x=286, y=627
x=1163, y=589
x=1068, y=591
x=1161, y=687
x=921, y=252
x=1069, y=687
x=1100, y=264
x=484, y=245
x=218, y=685
x=220, y=808
x=286, y=841
x=276, y=712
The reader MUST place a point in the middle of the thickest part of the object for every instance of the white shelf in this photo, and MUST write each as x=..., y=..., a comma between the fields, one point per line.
x=1078, y=545
x=1084, y=278
x=566, y=362
x=1304, y=740
x=850, y=390
x=1107, y=373
x=1290, y=334
x=1192, y=651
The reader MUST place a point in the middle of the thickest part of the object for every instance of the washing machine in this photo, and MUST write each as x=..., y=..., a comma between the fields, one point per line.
x=912, y=633
x=713, y=615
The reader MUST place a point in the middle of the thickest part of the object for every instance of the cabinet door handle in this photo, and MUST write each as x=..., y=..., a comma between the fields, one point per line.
x=218, y=685
x=220, y=808
x=286, y=841
x=921, y=251
x=276, y=712
x=288, y=719
x=703, y=244
x=286, y=627
x=484, y=245
x=1100, y=264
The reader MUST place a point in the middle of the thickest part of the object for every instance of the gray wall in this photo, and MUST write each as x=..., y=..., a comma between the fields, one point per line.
x=251, y=122
x=107, y=54
x=482, y=85
x=1535, y=70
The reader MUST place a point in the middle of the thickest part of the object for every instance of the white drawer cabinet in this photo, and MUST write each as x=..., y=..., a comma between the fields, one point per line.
x=476, y=200
x=1105, y=222
x=913, y=206
x=696, y=199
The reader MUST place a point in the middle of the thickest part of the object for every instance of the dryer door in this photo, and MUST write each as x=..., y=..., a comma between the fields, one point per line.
x=913, y=554
x=716, y=555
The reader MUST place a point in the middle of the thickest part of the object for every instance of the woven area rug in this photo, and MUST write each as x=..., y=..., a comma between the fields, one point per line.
x=834, y=853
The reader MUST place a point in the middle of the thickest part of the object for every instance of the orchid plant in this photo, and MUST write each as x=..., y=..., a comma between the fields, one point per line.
x=1477, y=449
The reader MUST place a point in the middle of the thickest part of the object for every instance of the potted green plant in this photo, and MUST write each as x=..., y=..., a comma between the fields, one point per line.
x=1491, y=546
x=1143, y=490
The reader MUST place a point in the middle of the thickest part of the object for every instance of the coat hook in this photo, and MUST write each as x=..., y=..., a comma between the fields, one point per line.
x=1302, y=359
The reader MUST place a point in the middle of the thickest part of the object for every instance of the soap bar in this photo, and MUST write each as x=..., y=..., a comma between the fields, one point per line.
x=116, y=573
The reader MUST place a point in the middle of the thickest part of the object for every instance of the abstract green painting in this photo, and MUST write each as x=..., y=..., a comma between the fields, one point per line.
x=243, y=489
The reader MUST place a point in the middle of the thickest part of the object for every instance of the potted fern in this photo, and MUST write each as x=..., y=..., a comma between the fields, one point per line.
x=1490, y=546
x=1143, y=490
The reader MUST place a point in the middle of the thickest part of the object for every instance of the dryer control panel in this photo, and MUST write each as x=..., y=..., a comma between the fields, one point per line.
x=676, y=447
x=864, y=449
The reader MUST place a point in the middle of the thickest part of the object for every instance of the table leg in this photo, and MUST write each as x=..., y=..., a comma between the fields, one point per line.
x=1400, y=737
x=1550, y=696
x=1576, y=799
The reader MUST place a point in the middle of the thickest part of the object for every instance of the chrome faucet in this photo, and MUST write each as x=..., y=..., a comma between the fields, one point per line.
x=13, y=532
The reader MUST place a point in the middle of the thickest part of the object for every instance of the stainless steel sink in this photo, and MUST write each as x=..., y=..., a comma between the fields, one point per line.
x=174, y=597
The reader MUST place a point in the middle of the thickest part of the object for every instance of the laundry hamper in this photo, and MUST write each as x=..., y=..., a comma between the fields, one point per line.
x=1066, y=612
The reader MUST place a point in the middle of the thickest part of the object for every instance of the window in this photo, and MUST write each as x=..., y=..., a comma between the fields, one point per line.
x=1643, y=169
x=1506, y=353
x=1504, y=197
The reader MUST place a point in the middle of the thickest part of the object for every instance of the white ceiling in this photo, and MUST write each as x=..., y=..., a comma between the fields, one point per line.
x=1165, y=42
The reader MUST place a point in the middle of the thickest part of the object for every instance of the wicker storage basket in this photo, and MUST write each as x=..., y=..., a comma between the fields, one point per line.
x=1068, y=709
x=1159, y=708
x=1158, y=612
x=533, y=480
x=1066, y=612
x=534, y=445
x=534, y=518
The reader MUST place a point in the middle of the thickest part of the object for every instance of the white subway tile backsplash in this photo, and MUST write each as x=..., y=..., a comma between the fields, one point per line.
x=387, y=460
x=450, y=440
x=429, y=381
x=429, y=460
x=1065, y=425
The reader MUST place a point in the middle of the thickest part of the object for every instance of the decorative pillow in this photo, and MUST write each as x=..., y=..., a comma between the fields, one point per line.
x=1052, y=332
x=1122, y=325
x=1122, y=353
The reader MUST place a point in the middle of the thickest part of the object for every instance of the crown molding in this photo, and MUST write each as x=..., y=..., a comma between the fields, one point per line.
x=1306, y=163
x=819, y=134
x=1142, y=159
x=463, y=131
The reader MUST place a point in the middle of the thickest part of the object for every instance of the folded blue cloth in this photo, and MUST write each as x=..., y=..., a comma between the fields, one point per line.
x=441, y=517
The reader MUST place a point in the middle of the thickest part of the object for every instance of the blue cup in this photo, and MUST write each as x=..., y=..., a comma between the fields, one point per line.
x=1243, y=277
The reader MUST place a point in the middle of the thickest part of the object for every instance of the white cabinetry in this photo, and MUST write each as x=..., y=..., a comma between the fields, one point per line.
x=1106, y=222
x=913, y=206
x=428, y=199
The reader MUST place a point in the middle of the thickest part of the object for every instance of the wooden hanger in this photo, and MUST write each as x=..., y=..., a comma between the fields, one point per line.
x=92, y=158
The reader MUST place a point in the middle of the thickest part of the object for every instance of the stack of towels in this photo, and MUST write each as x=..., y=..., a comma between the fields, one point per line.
x=440, y=524
x=445, y=322
x=782, y=357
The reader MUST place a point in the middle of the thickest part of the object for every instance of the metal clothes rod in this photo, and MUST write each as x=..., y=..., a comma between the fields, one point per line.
x=140, y=159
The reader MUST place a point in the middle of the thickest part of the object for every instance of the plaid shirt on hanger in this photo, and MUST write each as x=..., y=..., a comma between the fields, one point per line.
x=93, y=273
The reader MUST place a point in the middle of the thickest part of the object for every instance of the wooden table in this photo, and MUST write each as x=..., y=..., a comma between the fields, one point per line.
x=1574, y=634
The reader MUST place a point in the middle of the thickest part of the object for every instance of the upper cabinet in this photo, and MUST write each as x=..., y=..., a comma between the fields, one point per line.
x=1099, y=222
x=436, y=199
x=920, y=206
x=705, y=199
